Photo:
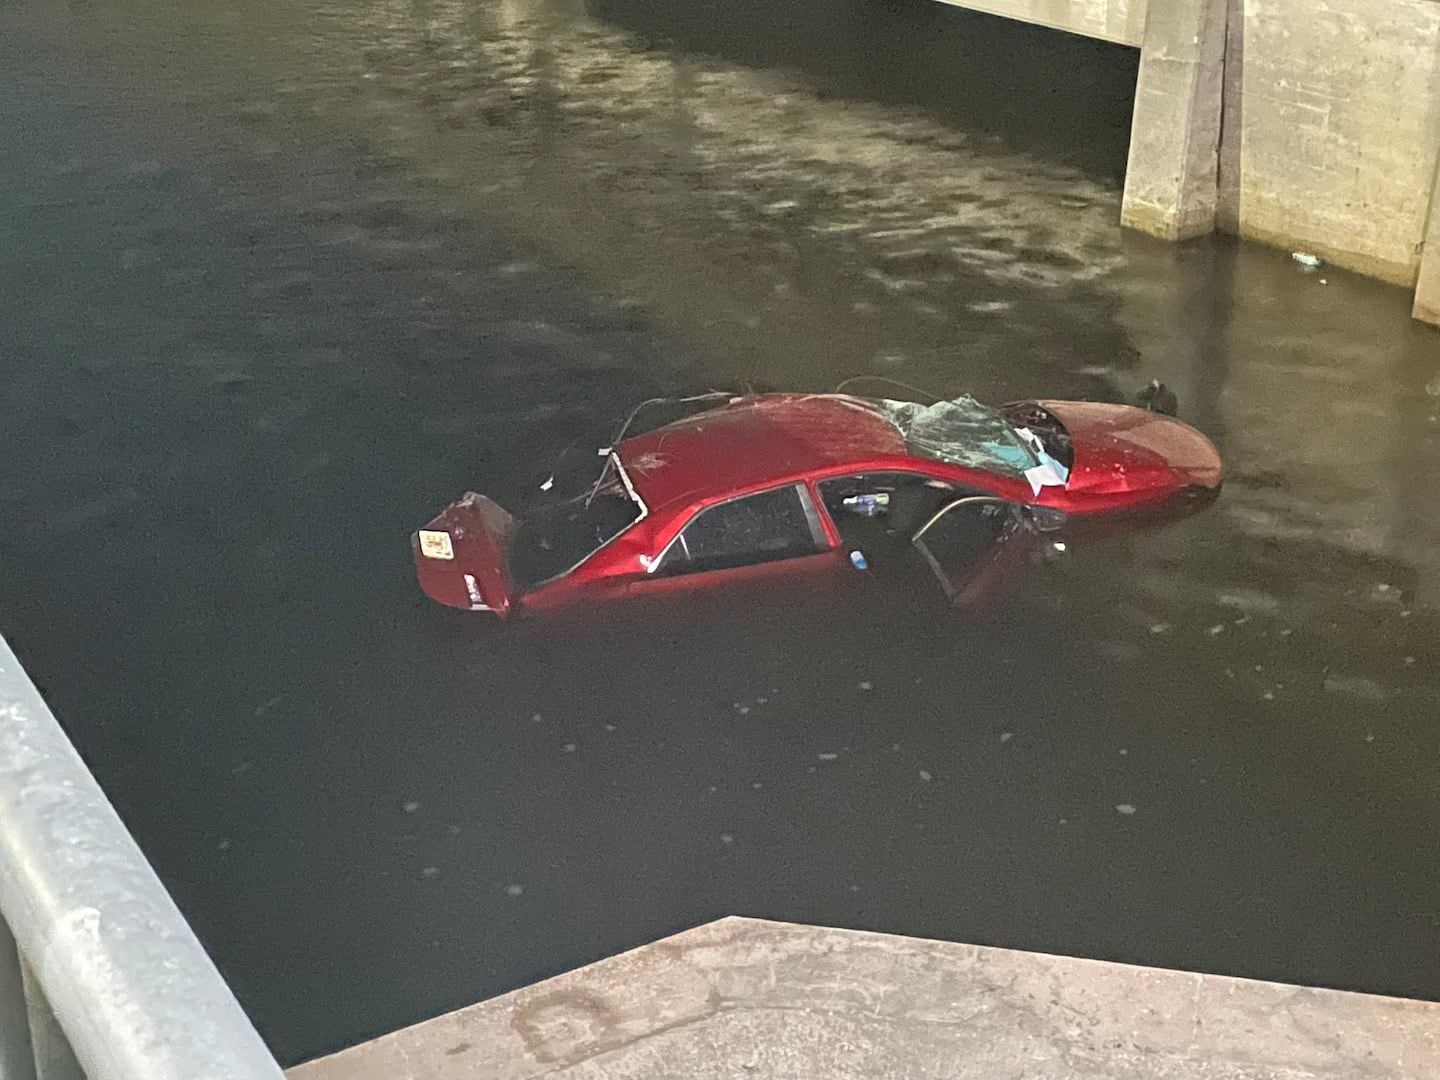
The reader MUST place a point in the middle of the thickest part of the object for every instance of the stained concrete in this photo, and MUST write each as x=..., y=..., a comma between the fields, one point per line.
x=1341, y=129
x=749, y=998
x=1120, y=21
x=1171, y=182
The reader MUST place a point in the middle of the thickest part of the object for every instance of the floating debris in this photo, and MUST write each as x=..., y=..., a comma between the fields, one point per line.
x=430, y=872
x=411, y=806
x=925, y=775
x=867, y=685
x=827, y=756
x=1125, y=808
x=1305, y=259
x=514, y=890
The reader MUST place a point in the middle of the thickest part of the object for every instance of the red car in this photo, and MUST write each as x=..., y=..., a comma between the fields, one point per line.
x=790, y=483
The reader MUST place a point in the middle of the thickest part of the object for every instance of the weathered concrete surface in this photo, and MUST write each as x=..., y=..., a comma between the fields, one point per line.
x=1341, y=129
x=1171, y=181
x=1121, y=21
x=748, y=998
x=1427, y=287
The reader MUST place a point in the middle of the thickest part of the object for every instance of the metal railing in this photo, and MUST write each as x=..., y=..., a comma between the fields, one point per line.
x=100, y=975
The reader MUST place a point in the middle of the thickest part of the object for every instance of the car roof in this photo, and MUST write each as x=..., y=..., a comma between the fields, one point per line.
x=753, y=441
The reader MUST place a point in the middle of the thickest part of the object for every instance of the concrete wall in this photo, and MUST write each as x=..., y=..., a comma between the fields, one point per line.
x=1339, y=128
x=1121, y=21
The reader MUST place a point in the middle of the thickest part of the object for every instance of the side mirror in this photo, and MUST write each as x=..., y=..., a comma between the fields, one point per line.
x=1046, y=518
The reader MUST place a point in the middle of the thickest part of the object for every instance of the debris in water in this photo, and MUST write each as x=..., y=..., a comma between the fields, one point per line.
x=569, y=747
x=1160, y=628
x=827, y=757
x=925, y=775
x=726, y=838
x=1125, y=808
x=431, y=872
x=514, y=890
x=1006, y=736
x=1305, y=259
x=867, y=685
x=411, y=806
x=1216, y=630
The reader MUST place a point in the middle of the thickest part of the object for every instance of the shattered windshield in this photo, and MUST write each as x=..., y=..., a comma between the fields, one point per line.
x=963, y=432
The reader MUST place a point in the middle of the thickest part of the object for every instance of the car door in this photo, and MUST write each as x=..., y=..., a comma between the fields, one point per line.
x=965, y=543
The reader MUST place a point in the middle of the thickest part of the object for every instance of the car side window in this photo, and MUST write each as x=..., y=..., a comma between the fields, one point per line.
x=765, y=527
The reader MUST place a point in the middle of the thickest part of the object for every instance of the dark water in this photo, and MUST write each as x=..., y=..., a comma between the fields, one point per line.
x=280, y=279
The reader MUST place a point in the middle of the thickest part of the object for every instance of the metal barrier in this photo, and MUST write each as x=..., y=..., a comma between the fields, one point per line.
x=101, y=960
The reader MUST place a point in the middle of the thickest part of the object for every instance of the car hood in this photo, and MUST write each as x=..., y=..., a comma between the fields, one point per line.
x=1119, y=448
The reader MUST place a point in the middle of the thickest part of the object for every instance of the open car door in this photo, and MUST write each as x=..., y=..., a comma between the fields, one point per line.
x=963, y=543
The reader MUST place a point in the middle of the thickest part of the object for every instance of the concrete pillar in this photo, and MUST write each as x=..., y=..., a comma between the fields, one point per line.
x=1171, y=186
x=1427, y=289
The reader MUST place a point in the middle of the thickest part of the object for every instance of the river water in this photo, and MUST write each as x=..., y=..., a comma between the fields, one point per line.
x=280, y=279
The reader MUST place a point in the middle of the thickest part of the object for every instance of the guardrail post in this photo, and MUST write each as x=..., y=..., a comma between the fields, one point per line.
x=17, y=1061
x=54, y=1060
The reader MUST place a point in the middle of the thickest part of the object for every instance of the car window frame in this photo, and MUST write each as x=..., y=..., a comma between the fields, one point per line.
x=822, y=539
x=966, y=488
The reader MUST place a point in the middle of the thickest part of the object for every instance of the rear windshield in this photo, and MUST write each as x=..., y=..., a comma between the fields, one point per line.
x=556, y=538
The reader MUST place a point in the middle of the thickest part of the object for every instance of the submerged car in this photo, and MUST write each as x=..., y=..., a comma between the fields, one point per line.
x=796, y=483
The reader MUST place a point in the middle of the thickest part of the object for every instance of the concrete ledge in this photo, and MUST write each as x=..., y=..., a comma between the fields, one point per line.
x=748, y=998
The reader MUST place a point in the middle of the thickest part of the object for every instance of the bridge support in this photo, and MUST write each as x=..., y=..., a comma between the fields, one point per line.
x=1171, y=182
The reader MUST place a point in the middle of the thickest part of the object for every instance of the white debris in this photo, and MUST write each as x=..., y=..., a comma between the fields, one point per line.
x=1125, y=808
x=430, y=872
x=411, y=806
x=569, y=747
x=1006, y=736
x=1216, y=630
x=514, y=890
x=867, y=685
x=925, y=775
x=1305, y=259
x=1358, y=686
x=827, y=757
x=726, y=838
